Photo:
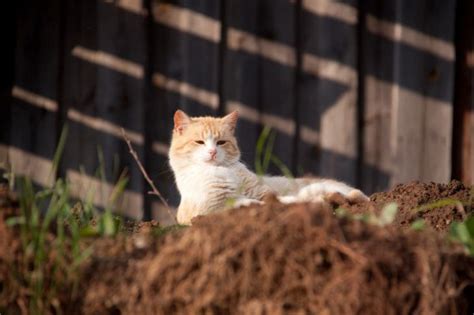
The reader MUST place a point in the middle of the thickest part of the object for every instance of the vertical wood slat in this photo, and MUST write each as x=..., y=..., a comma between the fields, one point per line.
x=149, y=156
x=104, y=91
x=379, y=99
x=259, y=86
x=424, y=117
x=183, y=56
x=34, y=129
x=6, y=84
x=463, y=127
x=327, y=106
x=276, y=23
x=297, y=78
x=416, y=83
x=242, y=75
x=222, y=58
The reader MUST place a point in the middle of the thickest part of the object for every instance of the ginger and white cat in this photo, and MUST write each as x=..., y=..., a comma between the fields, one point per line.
x=205, y=159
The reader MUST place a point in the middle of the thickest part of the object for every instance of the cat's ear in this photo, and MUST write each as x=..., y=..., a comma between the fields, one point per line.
x=181, y=120
x=231, y=119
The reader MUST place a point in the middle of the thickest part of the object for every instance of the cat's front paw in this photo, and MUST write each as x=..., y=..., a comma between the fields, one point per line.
x=245, y=202
x=338, y=198
x=294, y=199
x=356, y=196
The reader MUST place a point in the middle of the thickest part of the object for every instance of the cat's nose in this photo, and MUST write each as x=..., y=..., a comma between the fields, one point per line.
x=213, y=152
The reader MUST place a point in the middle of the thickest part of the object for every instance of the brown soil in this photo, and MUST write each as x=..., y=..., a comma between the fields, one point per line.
x=12, y=295
x=277, y=259
x=412, y=196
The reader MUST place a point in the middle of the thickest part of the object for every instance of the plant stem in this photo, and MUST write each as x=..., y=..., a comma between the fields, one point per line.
x=154, y=191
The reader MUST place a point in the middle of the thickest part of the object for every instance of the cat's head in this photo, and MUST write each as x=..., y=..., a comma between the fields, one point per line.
x=204, y=140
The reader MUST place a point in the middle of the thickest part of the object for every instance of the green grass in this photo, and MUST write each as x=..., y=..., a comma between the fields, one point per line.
x=440, y=203
x=460, y=232
x=55, y=231
x=51, y=226
x=386, y=216
x=264, y=156
x=463, y=232
x=51, y=239
x=163, y=230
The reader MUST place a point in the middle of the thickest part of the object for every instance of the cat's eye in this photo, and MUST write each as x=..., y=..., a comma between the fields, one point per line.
x=221, y=142
x=199, y=142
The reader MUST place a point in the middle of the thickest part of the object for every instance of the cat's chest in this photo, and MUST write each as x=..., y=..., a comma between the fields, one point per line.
x=202, y=181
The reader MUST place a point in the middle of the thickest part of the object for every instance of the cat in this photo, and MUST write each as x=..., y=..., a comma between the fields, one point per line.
x=205, y=159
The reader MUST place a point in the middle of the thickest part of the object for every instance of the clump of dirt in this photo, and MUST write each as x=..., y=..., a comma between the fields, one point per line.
x=132, y=227
x=437, y=204
x=279, y=259
x=112, y=276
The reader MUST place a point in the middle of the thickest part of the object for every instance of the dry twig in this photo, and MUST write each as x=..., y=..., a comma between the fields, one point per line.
x=154, y=191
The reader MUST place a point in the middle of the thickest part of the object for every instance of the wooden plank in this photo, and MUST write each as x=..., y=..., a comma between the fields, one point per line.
x=259, y=74
x=468, y=148
x=408, y=91
x=463, y=128
x=241, y=73
x=36, y=68
x=328, y=106
x=380, y=97
x=187, y=56
x=104, y=53
x=424, y=110
x=8, y=32
x=376, y=168
x=277, y=88
x=184, y=64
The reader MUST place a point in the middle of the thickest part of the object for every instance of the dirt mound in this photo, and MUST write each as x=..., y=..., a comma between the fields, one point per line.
x=272, y=259
x=437, y=204
x=277, y=259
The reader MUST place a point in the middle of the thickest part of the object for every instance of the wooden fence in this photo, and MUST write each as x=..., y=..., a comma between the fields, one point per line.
x=370, y=92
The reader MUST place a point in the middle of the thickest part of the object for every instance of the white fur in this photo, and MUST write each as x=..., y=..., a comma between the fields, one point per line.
x=194, y=183
x=245, y=202
x=294, y=199
x=315, y=192
x=206, y=183
x=202, y=153
x=282, y=185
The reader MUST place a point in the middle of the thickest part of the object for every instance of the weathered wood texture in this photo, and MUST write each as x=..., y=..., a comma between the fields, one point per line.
x=425, y=93
x=408, y=68
x=463, y=138
x=33, y=127
x=6, y=82
x=259, y=72
x=103, y=87
x=328, y=90
x=241, y=72
x=361, y=91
